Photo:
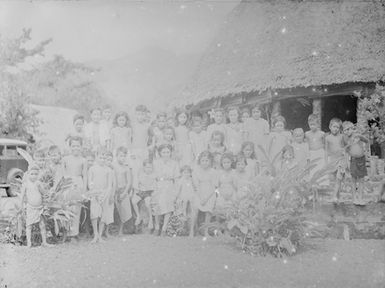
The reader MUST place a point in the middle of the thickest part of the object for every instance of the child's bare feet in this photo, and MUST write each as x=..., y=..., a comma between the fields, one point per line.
x=137, y=221
x=101, y=240
x=29, y=245
x=95, y=240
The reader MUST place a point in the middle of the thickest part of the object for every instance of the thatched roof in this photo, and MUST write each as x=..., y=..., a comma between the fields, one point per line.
x=278, y=44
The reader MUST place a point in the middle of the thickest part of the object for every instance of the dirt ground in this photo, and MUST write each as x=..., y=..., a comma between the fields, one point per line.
x=148, y=261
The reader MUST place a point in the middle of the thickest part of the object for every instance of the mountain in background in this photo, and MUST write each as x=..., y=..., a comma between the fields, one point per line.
x=152, y=76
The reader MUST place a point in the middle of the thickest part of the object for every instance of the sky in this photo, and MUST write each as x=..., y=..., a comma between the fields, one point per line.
x=93, y=30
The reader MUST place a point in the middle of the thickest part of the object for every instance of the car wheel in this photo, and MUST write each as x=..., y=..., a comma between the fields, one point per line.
x=14, y=179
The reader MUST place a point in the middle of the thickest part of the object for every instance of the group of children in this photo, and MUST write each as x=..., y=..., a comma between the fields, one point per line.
x=178, y=165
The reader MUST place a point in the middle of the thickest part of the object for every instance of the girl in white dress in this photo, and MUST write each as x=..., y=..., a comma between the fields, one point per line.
x=183, y=143
x=121, y=133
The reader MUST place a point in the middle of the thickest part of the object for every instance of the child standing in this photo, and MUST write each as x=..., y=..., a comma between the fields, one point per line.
x=55, y=163
x=123, y=185
x=253, y=167
x=234, y=131
x=245, y=114
x=77, y=130
x=121, y=133
x=186, y=196
x=101, y=195
x=94, y=134
x=334, y=148
x=158, y=129
x=217, y=148
x=140, y=133
x=31, y=190
x=183, y=143
x=279, y=138
x=219, y=123
x=106, y=124
x=301, y=148
x=146, y=187
x=257, y=129
x=167, y=171
x=75, y=167
x=355, y=149
x=198, y=138
x=226, y=183
x=316, y=141
x=206, y=181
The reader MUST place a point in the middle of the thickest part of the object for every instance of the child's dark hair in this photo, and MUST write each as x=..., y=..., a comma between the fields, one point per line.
x=122, y=150
x=52, y=149
x=122, y=114
x=219, y=133
x=196, y=114
x=164, y=146
x=245, y=110
x=107, y=107
x=335, y=120
x=89, y=153
x=171, y=129
x=161, y=115
x=147, y=162
x=109, y=153
x=257, y=107
x=95, y=109
x=206, y=154
x=287, y=148
x=182, y=111
x=279, y=119
x=141, y=108
x=313, y=118
x=185, y=168
x=78, y=117
x=75, y=139
x=251, y=144
x=240, y=158
x=227, y=155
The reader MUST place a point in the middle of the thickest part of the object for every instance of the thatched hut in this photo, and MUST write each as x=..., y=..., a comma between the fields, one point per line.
x=323, y=53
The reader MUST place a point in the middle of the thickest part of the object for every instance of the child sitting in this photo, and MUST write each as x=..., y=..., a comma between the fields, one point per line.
x=146, y=186
x=287, y=160
x=355, y=149
x=123, y=186
x=32, y=191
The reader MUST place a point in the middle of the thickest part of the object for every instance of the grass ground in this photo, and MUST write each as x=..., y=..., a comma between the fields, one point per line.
x=149, y=261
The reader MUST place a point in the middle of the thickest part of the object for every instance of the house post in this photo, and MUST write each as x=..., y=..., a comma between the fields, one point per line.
x=317, y=109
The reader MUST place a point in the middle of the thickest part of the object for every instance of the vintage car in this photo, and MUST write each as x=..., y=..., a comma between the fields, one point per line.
x=12, y=165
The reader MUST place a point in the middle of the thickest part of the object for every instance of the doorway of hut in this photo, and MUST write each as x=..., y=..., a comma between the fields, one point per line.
x=342, y=107
x=296, y=111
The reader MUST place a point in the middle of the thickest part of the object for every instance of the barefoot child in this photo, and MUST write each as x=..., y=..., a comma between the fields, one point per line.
x=186, y=196
x=315, y=138
x=75, y=167
x=162, y=200
x=355, y=149
x=101, y=195
x=146, y=185
x=31, y=190
x=334, y=147
x=123, y=185
x=206, y=181
x=226, y=183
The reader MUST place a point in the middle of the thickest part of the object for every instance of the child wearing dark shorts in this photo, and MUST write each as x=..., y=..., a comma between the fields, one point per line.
x=355, y=149
x=146, y=185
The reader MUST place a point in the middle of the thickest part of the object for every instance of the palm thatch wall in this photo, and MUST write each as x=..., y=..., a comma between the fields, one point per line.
x=280, y=44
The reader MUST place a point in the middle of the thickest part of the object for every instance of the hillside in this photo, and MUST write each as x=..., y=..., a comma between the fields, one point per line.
x=151, y=76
